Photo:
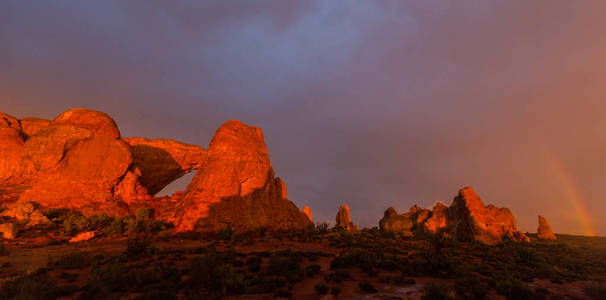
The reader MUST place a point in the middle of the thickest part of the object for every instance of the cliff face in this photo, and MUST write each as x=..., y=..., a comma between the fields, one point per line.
x=80, y=161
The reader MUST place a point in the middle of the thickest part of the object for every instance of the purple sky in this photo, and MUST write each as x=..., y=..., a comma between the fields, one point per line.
x=368, y=103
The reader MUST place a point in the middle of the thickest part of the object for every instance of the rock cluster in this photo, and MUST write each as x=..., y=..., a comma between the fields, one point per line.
x=467, y=219
x=80, y=161
x=343, y=219
x=544, y=231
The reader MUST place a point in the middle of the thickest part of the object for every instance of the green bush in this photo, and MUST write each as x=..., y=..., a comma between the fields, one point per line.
x=138, y=247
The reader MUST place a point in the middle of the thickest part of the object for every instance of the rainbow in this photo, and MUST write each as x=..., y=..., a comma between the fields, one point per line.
x=572, y=193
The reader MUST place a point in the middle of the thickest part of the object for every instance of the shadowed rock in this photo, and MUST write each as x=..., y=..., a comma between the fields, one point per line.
x=544, y=230
x=392, y=222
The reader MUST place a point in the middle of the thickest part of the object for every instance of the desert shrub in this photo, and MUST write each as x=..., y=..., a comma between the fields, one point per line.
x=286, y=263
x=321, y=288
x=138, y=247
x=105, y=279
x=145, y=213
x=214, y=273
x=470, y=287
x=356, y=257
x=322, y=228
x=513, y=288
x=283, y=293
x=596, y=291
x=312, y=270
x=158, y=294
x=74, y=260
x=33, y=287
x=335, y=291
x=98, y=221
x=434, y=291
x=225, y=233
x=74, y=223
x=367, y=287
x=337, y=276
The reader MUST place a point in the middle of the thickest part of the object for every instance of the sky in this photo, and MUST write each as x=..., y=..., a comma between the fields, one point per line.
x=366, y=103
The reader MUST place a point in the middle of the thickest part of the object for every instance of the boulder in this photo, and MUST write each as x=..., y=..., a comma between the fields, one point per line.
x=343, y=219
x=486, y=224
x=392, y=222
x=237, y=187
x=307, y=212
x=544, y=231
x=8, y=230
x=83, y=237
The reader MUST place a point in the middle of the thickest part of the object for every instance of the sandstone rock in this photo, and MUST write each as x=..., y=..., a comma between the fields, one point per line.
x=343, y=219
x=486, y=224
x=8, y=230
x=437, y=220
x=392, y=222
x=31, y=126
x=307, y=212
x=161, y=161
x=11, y=150
x=76, y=162
x=544, y=231
x=236, y=187
x=83, y=237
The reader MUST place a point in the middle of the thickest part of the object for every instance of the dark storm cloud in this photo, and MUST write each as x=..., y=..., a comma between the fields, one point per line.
x=373, y=104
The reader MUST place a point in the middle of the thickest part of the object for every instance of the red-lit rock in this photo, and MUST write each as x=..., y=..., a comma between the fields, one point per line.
x=343, y=219
x=162, y=161
x=307, y=212
x=236, y=187
x=31, y=126
x=486, y=224
x=544, y=231
x=83, y=237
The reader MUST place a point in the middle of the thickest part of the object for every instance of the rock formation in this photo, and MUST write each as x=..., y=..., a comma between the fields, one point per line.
x=486, y=224
x=79, y=161
x=544, y=231
x=467, y=219
x=162, y=161
x=307, y=212
x=236, y=187
x=343, y=219
x=392, y=222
